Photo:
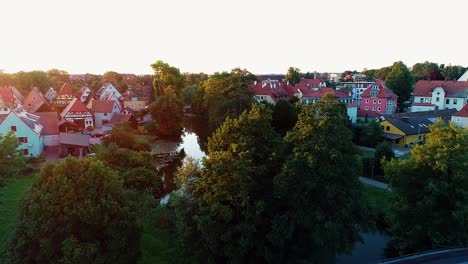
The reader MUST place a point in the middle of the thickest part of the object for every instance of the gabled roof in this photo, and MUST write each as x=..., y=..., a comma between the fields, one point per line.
x=81, y=91
x=310, y=82
x=444, y=114
x=463, y=112
x=129, y=94
x=28, y=119
x=10, y=95
x=276, y=90
x=384, y=92
x=119, y=118
x=75, y=106
x=451, y=88
x=66, y=89
x=76, y=139
x=103, y=106
x=34, y=100
x=49, y=120
x=417, y=122
x=319, y=93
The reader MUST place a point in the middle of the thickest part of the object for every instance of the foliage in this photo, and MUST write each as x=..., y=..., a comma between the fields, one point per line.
x=369, y=134
x=284, y=116
x=116, y=79
x=401, y=81
x=167, y=78
x=195, y=78
x=430, y=205
x=123, y=136
x=453, y=72
x=227, y=95
x=10, y=197
x=167, y=113
x=231, y=194
x=76, y=213
x=426, y=71
x=24, y=81
x=12, y=161
x=58, y=77
x=293, y=76
x=322, y=173
x=188, y=93
x=383, y=152
x=144, y=180
x=123, y=159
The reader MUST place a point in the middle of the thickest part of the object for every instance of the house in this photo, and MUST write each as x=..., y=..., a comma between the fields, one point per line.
x=269, y=91
x=26, y=128
x=379, y=98
x=133, y=100
x=35, y=101
x=103, y=111
x=77, y=113
x=312, y=83
x=10, y=96
x=50, y=95
x=117, y=118
x=409, y=129
x=460, y=118
x=435, y=95
x=464, y=77
x=357, y=88
x=84, y=94
x=73, y=144
x=50, y=122
x=64, y=97
x=343, y=96
x=107, y=92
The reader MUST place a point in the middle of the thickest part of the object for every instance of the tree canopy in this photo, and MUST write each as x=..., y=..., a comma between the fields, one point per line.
x=293, y=75
x=427, y=71
x=76, y=213
x=430, y=205
x=167, y=78
x=401, y=81
x=12, y=160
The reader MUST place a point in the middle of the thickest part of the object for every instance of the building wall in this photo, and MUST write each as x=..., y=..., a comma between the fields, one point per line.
x=352, y=114
x=265, y=98
x=99, y=117
x=135, y=105
x=373, y=104
x=460, y=121
x=406, y=140
x=51, y=140
x=420, y=108
x=35, y=143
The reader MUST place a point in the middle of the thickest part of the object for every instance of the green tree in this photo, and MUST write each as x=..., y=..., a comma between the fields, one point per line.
x=401, y=81
x=293, y=75
x=319, y=207
x=76, y=213
x=167, y=114
x=426, y=71
x=124, y=136
x=233, y=192
x=382, y=72
x=188, y=93
x=373, y=134
x=5, y=79
x=24, y=81
x=195, y=78
x=167, y=78
x=284, y=116
x=383, y=151
x=58, y=77
x=451, y=73
x=430, y=205
x=12, y=161
x=116, y=79
x=227, y=95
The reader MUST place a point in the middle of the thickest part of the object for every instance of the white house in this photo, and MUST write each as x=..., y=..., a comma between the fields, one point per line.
x=438, y=95
x=103, y=111
x=460, y=118
x=26, y=128
x=108, y=92
x=464, y=77
x=357, y=89
x=50, y=94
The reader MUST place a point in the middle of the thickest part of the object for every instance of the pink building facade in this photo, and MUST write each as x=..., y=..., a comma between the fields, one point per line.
x=379, y=99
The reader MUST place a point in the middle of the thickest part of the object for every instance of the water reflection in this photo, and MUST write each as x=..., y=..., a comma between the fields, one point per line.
x=372, y=250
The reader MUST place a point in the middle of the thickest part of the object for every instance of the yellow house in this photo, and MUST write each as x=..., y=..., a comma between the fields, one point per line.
x=133, y=101
x=406, y=131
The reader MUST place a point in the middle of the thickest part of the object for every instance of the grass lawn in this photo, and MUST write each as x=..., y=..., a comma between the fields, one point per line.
x=10, y=197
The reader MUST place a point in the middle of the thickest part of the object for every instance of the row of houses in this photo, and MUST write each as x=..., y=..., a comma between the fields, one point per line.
x=58, y=118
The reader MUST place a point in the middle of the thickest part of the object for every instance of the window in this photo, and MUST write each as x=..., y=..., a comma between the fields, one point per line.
x=367, y=108
x=367, y=101
x=447, y=101
x=421, y=100
x=437, y=99
x=373, y=108
x=26, y=151
x=378, y=108
x=105, y=114
x=387, y=128
x=374, y=101
x=5, y=109
x=419, y=137
x=458, y=120
x=22, y=139
x=454, y=101
x=427, y=100
x=13, y=128
x=34, y=98
x=380, y=101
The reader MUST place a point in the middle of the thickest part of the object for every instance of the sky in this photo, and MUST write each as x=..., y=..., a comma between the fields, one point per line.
x=95, y=36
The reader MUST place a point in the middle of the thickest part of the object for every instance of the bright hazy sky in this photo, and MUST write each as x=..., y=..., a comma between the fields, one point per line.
x=95, y=36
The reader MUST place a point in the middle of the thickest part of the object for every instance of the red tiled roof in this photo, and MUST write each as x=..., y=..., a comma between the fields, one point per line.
x=75, y=106
x=49, y=120
x=384, y=92
x=65, y=89
x=451, y=88
x=463, y=112
x=34, y=100
x=322, y=91
x=119, y=118
x=103, y=106
x=310, y=82
x=362, y=113
x=275, y=90
x=7, y=94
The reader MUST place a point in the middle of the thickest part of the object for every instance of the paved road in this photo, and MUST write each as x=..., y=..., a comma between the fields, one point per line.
x=374, y=183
